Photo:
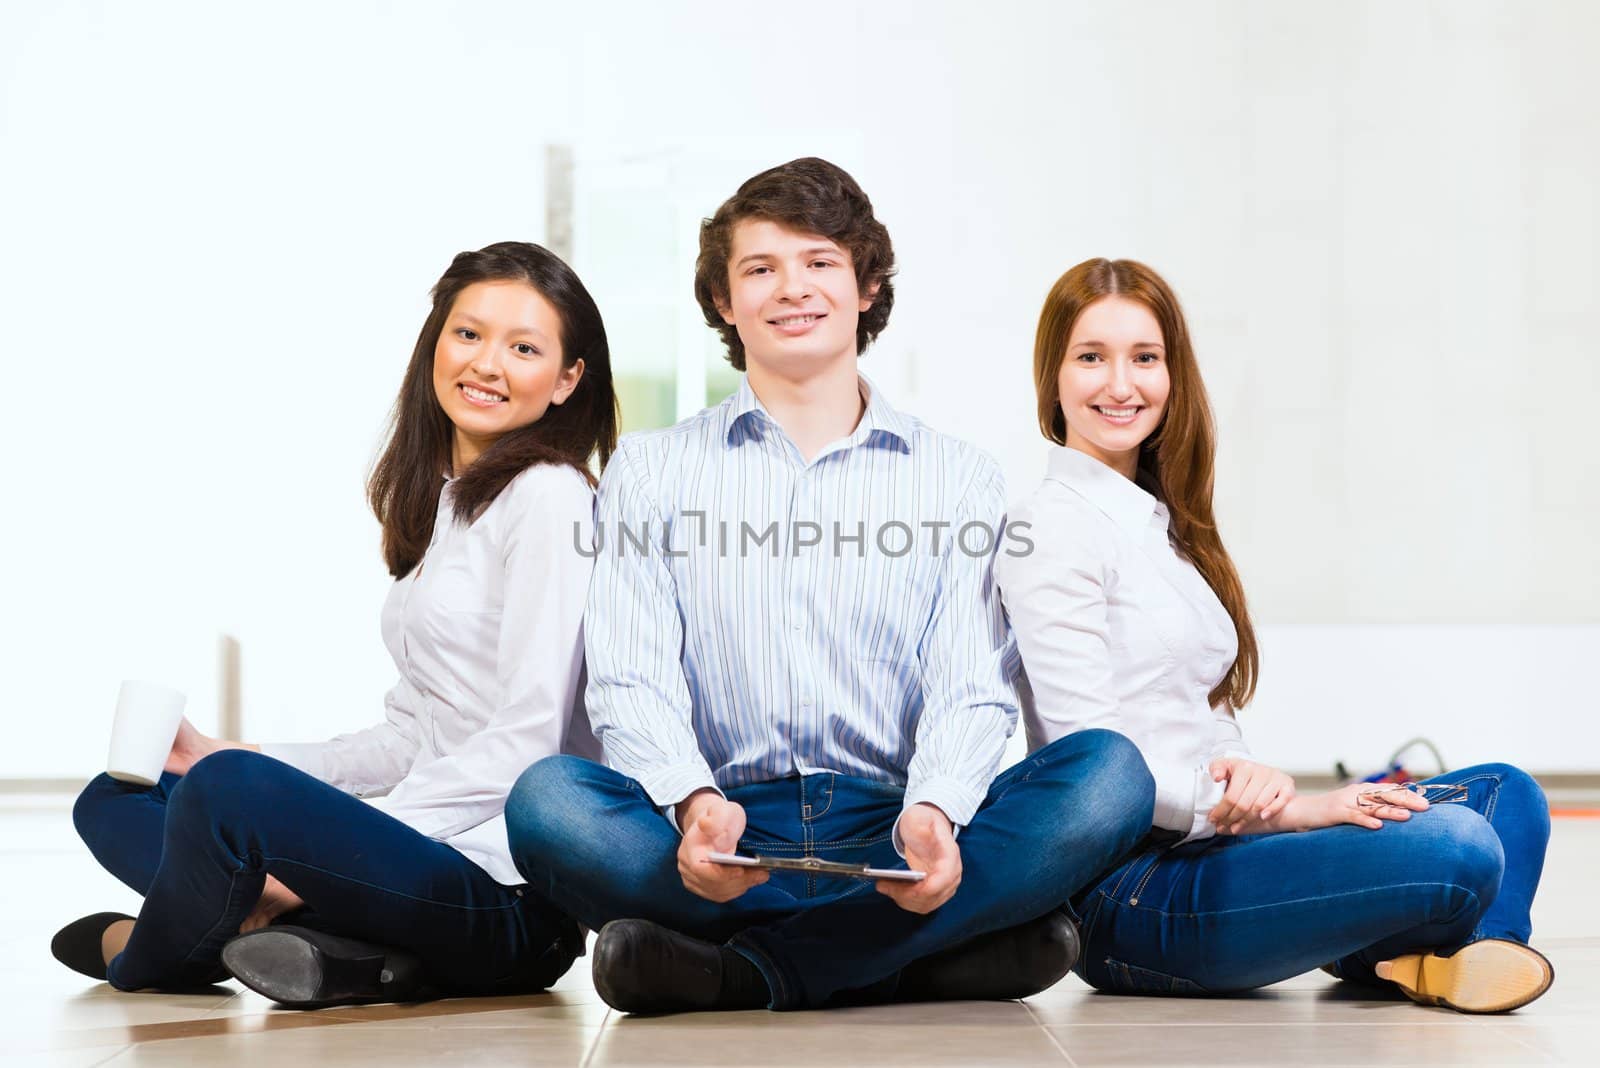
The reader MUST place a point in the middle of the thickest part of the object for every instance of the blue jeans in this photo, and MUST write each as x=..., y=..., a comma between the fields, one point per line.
x=199, y=849
x=1227, y=914
x=592, y=841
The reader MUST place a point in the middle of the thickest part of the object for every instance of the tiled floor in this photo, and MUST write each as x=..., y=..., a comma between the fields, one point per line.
x=54, y=1017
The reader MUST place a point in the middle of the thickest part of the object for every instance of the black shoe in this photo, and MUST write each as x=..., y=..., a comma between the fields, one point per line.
x=306, y=969
x=1017, y=962
x=77, y=945
x=641, y=966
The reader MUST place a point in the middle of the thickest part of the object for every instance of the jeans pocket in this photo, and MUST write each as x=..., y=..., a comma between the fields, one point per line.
x=1133, y=879
x=1132, y=979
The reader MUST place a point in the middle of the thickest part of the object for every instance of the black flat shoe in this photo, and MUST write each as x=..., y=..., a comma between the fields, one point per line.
x=306, y=969
x=642, y=967
x=77, y=945
x=1016, y=962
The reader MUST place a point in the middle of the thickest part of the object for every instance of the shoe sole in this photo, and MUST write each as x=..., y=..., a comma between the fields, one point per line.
x=294, y=972
x=1488, y=976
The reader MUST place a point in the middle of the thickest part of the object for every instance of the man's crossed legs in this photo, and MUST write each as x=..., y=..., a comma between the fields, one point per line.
x=594, y=842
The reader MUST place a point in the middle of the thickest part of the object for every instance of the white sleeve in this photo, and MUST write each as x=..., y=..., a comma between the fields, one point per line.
x=538, y=662
x=1055, y=596
x=367, y=762
x=1228, y=741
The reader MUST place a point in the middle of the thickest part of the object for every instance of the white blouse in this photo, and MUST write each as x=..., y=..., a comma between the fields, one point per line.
x=1118, y=630
x=487, y=633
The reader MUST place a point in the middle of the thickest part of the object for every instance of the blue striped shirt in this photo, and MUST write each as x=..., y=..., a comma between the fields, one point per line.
x=754, y=616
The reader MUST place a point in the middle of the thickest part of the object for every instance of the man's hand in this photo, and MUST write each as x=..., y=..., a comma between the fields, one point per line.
x=930, y=843
x=276, y=899
x=1255, y=794
x=712, y=824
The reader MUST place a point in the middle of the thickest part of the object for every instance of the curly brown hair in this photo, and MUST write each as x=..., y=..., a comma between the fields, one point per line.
x=812, y=196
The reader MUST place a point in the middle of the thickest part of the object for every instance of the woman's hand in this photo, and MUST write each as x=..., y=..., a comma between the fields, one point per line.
x=276, y=899
x=1364, y=804
x=1256, y=794
x=190, y=745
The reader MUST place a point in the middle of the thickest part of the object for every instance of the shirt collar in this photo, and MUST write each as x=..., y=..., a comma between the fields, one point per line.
x=880, y=415
x=1127, y=503
x=743, y=403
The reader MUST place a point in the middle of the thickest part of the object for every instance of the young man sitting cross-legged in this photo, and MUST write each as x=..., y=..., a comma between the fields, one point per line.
x=795, y=649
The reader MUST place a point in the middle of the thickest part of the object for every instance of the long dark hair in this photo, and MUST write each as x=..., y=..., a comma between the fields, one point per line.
x=406, y=480
x=1179, y=456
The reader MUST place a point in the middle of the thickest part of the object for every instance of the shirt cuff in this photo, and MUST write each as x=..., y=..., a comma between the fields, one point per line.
x=1206, y=795
x=671, y=784
x=309, y=757
x=899, y=843
x=1176, y=789
x=671, y=811
x=950, y=796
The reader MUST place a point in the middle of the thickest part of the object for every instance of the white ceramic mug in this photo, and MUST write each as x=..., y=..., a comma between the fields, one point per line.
x=147, y=721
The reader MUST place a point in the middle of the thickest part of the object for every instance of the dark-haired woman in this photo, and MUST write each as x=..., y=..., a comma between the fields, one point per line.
x=1129, y=615
x=485, y=498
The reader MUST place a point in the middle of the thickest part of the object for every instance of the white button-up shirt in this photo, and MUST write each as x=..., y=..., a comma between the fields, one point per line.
x=487, y=633
x=1118, y=630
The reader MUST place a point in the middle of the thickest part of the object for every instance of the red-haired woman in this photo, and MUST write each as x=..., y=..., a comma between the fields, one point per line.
x=487, y=507
x=1129, y=615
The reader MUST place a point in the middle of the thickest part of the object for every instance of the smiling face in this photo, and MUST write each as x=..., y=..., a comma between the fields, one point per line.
x=1114, y=382
x=792, y=296
x=497, y=366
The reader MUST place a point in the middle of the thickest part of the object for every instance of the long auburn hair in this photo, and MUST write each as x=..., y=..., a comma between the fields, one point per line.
x=1178, y=457
x=407, y=478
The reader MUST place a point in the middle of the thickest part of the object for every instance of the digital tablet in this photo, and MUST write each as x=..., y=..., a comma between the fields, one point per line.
x=818, y=866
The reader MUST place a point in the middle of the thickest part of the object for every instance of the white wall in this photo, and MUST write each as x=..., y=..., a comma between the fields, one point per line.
x=217, y=228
